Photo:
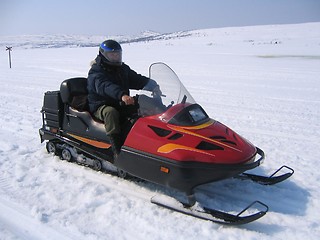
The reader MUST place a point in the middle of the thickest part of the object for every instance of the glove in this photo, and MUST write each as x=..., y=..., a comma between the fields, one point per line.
x=156, y=92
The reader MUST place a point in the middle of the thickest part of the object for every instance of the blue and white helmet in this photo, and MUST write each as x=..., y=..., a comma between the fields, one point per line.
x=111, y=52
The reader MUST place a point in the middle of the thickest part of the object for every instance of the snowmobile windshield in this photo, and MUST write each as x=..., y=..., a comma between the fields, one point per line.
x=190, y=115
x=172, y=91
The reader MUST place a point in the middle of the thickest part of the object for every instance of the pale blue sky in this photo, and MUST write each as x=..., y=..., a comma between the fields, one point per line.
x=130, y=17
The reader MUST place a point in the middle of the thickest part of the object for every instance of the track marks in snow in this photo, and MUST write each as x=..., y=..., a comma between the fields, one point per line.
x=22, y=225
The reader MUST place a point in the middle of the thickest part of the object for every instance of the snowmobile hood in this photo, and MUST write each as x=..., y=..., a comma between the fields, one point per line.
x=212, y=142
x=208, y=142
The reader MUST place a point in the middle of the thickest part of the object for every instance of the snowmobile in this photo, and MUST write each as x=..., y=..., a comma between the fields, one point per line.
x=170, y=141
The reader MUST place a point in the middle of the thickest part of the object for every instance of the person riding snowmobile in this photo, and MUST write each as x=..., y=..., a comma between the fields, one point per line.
x=109, y=84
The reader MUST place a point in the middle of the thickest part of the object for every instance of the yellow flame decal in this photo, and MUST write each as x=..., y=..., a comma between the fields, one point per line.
x=183, y=129
x=91, y=142
x=168, y=148
x=201, y=126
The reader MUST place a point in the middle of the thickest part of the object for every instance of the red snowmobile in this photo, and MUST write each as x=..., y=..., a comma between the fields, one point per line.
x=171, y=141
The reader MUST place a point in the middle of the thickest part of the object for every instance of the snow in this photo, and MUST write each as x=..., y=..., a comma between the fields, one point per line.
x=263, y=82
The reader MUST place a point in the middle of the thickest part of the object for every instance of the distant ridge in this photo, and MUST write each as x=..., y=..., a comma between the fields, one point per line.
x=73, y=41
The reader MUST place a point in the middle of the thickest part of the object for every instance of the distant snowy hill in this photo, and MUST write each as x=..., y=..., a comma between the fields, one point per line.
x=64, y=40
x=255, y=35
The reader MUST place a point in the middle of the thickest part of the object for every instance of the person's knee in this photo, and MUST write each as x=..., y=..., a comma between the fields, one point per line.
x=111, y=118
x=110, y=114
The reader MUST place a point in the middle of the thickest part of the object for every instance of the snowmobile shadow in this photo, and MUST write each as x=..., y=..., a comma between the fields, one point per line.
x=233, y=195
x=265, y=228
x=285, y=197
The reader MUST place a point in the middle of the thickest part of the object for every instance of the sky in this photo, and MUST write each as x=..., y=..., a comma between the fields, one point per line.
x=131, y=17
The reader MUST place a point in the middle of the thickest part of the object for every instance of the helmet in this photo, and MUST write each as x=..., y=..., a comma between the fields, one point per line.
x=111, y=52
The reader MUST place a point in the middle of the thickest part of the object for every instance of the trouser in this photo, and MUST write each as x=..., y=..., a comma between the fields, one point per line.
x=115, y=119
x=111, y=118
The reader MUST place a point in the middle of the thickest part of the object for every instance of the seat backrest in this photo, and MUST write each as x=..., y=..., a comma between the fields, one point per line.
x=74, y=93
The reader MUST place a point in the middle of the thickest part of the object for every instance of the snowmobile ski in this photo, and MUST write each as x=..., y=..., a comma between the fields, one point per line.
x=268, y=180
x=214, y=215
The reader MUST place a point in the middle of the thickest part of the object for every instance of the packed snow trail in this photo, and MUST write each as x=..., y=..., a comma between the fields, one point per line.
x=20, y=224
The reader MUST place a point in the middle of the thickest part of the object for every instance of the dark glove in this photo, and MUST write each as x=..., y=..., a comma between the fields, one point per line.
x=156, y=92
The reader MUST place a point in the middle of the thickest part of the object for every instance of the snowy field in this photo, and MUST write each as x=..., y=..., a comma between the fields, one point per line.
x=263, y=82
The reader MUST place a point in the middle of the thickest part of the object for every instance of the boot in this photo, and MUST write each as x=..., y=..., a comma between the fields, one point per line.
x=116, y=143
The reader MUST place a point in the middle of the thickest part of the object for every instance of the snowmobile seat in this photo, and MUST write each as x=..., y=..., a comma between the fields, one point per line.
x=74, y=93
x=78, y=119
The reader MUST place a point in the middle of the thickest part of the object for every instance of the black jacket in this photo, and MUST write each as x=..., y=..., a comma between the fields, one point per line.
x=107, y=84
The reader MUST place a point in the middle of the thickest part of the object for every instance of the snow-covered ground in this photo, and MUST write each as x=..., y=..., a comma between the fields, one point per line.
x=263, y=82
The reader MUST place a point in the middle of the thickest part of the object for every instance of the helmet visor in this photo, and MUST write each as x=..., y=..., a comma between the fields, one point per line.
x=113, y=56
